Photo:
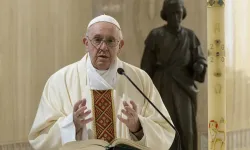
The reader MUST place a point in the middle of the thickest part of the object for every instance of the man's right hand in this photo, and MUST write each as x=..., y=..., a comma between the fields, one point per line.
x=80, y=113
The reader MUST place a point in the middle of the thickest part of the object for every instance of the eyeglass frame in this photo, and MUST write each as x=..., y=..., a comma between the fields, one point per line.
x=103, y=41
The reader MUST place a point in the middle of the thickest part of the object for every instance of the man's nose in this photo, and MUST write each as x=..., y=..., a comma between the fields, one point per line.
x=103, y=46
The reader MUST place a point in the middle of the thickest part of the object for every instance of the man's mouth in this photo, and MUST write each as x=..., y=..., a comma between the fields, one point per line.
x=103, y=56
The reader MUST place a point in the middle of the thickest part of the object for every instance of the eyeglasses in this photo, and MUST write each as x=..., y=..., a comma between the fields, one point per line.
x=97, y=41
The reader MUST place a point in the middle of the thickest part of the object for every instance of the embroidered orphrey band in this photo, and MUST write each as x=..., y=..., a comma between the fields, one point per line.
x=103, y=115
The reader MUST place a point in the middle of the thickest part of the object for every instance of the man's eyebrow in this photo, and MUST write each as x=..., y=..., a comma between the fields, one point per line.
x=99, y=35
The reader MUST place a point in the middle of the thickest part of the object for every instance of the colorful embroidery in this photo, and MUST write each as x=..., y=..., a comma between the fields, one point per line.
x=103, y=113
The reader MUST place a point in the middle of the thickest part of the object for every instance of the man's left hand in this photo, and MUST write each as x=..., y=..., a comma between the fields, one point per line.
x=132, y=121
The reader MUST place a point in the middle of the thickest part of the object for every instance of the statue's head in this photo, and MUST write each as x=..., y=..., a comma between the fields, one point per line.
x=173, y=11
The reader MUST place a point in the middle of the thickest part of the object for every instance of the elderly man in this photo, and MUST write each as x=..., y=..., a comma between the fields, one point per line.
x=89, y=100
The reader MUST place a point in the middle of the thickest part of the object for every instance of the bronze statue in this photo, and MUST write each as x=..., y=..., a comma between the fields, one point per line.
x=174, y=60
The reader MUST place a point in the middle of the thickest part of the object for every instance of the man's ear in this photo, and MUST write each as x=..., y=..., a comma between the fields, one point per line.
x=121, y=44
x=85, y=42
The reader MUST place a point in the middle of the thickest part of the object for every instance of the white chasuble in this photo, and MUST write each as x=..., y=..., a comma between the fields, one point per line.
x=53, y=125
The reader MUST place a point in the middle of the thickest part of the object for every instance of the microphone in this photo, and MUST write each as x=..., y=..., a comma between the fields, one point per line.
x=122, y=72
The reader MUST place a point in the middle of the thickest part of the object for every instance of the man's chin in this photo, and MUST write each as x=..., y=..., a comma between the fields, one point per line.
x=103, y=65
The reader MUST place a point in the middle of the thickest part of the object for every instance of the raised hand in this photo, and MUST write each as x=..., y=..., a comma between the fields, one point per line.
x=132, y=121
x=80, y=114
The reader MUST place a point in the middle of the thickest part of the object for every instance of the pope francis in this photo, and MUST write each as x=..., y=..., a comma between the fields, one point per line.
x=90, y=100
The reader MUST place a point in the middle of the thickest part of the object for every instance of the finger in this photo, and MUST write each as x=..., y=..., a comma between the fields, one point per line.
x=87, y=120
x=126, y=113
x=125, y=104
x=85, y=114
x=83, y=103
x=134, y=106
x=130, y=110
x=81, y=110
x=77, y=105
x=125, y=121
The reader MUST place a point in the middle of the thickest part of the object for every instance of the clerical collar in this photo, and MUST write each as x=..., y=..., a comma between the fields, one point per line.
x=96, y=77
x=101, y=72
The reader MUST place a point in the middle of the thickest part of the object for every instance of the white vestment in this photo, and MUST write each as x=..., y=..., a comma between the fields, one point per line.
x=53, y=125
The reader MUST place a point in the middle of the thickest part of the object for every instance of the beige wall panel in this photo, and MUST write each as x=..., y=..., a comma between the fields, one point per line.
x=37, y=37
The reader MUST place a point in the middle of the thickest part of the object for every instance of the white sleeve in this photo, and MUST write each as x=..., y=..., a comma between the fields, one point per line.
x=67, y=129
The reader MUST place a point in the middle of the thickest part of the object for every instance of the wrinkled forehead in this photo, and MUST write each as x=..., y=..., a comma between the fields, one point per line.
x=104, y=29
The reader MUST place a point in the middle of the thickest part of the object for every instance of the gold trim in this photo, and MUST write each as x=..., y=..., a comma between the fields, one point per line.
x=114, y=116
x=93, y=112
